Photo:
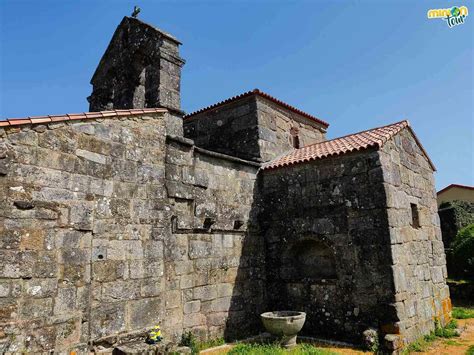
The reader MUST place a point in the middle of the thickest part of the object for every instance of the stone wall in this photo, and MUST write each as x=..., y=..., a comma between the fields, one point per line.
x=327, y=239
x=419, y=264
x=251, y=128
x=229, y=129
x=216, y=260
x=108, y=228
x=355, y=242
x=140, y=68
x=276, y=125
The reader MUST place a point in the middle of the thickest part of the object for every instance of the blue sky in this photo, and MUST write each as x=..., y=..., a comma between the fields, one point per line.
x=355, y=64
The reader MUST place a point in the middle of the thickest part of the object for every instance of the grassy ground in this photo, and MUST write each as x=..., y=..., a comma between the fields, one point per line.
x=443, y=340
x=470, y=351
x=446, y=335
x=270, y=349
x=422, y=344
x=463, y=312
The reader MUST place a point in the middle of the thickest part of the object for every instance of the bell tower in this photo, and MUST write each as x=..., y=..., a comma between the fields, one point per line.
x=140, y=68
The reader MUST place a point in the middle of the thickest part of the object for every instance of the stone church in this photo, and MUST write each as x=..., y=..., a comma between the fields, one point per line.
x=135, y=214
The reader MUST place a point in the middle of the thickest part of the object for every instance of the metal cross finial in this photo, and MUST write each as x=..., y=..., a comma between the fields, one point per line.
x=136, y=11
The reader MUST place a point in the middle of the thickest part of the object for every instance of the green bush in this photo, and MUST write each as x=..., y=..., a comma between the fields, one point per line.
x=463, y=252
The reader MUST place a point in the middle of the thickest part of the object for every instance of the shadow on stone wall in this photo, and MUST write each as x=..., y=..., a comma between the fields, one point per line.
x=249, y=293
x=324, y=228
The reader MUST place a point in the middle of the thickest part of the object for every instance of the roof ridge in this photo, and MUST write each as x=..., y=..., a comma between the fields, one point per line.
x=261, y=94
x=455, y=185
x=79, y=116
x=357, y=133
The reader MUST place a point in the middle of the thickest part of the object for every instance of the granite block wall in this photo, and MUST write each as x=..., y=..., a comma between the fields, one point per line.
x=419, y=263
x=355, y=242
x=111, y=226
x=82, y=206
x=229, y=129
x=327, y=238
x=252, y=128
x=108, y=228
x=140, y=68
x=277, y=125
x=216, y=258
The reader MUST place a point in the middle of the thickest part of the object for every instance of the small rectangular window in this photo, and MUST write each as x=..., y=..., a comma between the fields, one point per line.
x=296, y=142
x=415, y=218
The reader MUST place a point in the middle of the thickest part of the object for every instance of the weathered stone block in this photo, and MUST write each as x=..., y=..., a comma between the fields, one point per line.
x=200, y=249
x=81, y=215
x=107, y=318
x=193, y=320
x=192, y=307
x=95, y=157
x=172, y=299
x=179, y=190
x=145, y=313
x=109, y=270
x=120, y=290
x=205, y=293
x=65, y=302
x=34, y=308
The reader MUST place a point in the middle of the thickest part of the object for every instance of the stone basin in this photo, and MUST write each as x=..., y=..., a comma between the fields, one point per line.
x=284, y=325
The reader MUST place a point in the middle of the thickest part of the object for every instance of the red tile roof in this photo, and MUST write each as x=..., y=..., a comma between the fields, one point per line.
x=375, y=137
x=261, y=94
x=456, y=185
x=78, y=116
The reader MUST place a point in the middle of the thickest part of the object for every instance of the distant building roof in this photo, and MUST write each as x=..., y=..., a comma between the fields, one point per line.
x=375, y=137
x=257, y=92
x=456, y=185
x=78, y=116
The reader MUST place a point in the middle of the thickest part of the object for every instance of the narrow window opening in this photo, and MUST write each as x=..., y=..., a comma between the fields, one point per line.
x=415, y=218
x=296, y=142
x=295, y=139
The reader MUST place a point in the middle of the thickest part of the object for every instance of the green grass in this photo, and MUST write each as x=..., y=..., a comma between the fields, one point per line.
x=422, y=344
x=449, y=331
x=272, y=349
x=470, y=351
x=210, y=343
x=452, y=342
x=463, y=312
x=189, y=339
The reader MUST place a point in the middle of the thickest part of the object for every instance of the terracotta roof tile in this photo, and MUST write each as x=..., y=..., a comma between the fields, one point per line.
x=78, y=116
x=40, y=120
x=261, y=94
x=17, y=122
x=456, y=185
x=375, y=137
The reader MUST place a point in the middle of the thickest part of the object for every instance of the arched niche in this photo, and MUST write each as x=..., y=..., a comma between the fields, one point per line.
x=310, y=260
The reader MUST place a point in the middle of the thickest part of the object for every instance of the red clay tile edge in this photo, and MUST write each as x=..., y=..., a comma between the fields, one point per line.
x=456, y=185
x=398, y=127
x=261, y=94
x=78, y=116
